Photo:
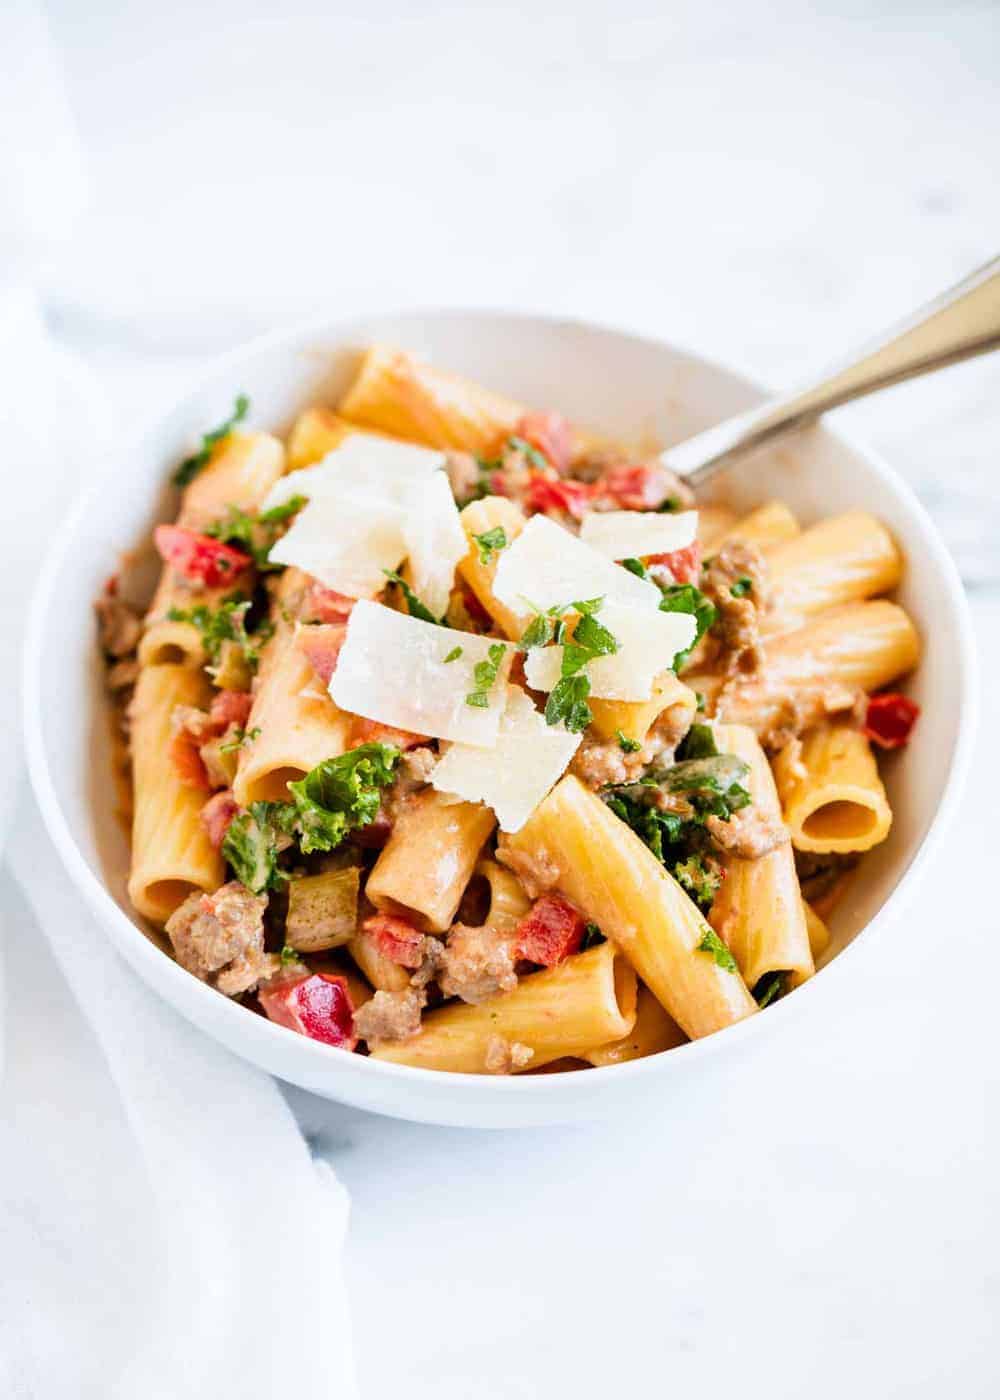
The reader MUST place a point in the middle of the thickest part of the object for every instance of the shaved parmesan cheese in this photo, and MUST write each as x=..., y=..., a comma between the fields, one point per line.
x=362, y=464
x=369, y=509
x=635, y=534
x=434, y=541
x=392, y=669
x=529, y=758
x=345, y=543
x=647, y=645
x=547, y=566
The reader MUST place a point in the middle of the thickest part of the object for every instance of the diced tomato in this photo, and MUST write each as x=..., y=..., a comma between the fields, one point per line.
x=395, y=938
x=187, y=761
x=889, y=719
x=230, y=707
x=369, y=731
x=551, y=435
x=200, y=558
x=216, y=815
x=316, y=1004
x=321, y=643
x=545, y=493
x=550, y=931
x=635, y=485
x=684, y=564
x=498, y=484
x=326, y=605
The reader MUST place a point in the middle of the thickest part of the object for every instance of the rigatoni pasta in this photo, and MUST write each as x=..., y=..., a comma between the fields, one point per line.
x=440, y=754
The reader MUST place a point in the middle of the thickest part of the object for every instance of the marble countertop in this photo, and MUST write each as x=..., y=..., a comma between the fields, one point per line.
x=768, y=185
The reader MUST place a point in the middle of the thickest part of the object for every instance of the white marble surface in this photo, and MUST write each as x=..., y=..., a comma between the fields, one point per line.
x=766, y=184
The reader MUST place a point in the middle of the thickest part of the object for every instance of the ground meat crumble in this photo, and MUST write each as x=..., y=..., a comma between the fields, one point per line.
x=220, y=938
x=737, y=626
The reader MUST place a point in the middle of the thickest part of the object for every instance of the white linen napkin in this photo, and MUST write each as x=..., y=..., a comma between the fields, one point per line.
x=163, y=1229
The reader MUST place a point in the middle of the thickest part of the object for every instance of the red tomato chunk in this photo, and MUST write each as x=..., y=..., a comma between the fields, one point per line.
x=550, y=931
x=315, y=1004
x=684, y=564
x=321, y=644
x=889, y=719
x=199, y=558
x=545, y=494
x=551, y=435
x=230, y=707
x=326, y=605
x=216, y=815
x=369, y=731
x=396, y=939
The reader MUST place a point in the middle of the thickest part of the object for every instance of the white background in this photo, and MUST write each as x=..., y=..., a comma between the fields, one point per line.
x=763, y=183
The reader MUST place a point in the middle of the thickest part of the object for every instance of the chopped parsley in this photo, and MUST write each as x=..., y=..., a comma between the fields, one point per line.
x=669, y=505
x=289, y=956
x=191, y=466
x=592, y=935
x=567, y=703
x=626, y=744
x=490, y=542
x=700, y=877
x=255, y=534
x=536, y=458
x=413, y=604
x=699, y=702
x=336, y=797
x=485, y=673
x=742, y=587
x=453, y=655
x=636, y=566
x=686, y=598
x=713, y=944
x=770, y=987
x=242, y=739
x=226, y=623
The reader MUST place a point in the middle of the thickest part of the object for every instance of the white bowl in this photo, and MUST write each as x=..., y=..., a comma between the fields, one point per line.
x=622, y=384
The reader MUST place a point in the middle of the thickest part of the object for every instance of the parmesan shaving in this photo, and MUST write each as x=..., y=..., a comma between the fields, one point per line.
x=546, y=566
x=529, y=758
x=392, y=669
x=647, y=645
x=636, y=534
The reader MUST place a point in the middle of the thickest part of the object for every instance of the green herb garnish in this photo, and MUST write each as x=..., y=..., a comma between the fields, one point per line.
x=713, y=944
x=770, y=987
x=453, y=655
x=242, y=739
x=191, y=466
x=626, y=744
x=413, y=604
x=686, y=598
x=341, y=794
x=636, y=566
x=536, y=458
x=255, y=534
x=699, y=878
x=742, y=587
x=253, y=842
x=289, y=956
x=490, y=542
x=592, y=935
x=226, y=623
x=698, y=742
x=485, y=673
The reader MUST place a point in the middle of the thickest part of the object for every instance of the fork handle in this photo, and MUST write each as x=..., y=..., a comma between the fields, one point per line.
x=961, y=323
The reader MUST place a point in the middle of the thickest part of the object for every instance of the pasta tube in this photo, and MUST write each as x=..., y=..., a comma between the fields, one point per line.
x=714, y=524
x=242, y=471
x=314, y=433
x=635, y=718
x=654, y=1030
x=299, y=725
x=508, y=901
x=819, y=934
x=858, y=646
x=758, y=910
x=587, y=999
x=394, y=393
x=840, y=560
x=831, y=794
x=612, y=876
x=767, y=527
x=384, y=974
x=477, y=518
x=428, y=860
x=171, y=853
